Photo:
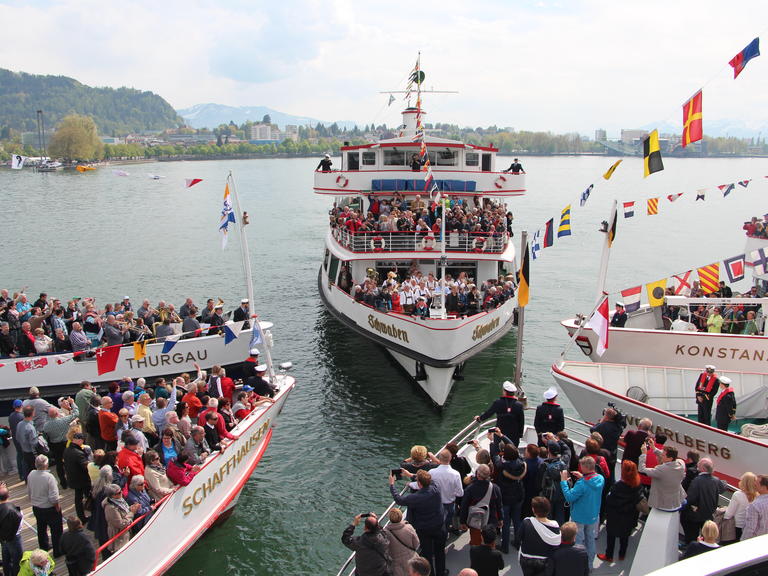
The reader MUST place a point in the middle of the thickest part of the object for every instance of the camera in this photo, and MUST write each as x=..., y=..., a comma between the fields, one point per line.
x=621, y=419
x=365, y=515
x=397, y=473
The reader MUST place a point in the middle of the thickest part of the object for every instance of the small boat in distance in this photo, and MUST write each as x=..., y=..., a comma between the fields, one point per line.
x=410, y=185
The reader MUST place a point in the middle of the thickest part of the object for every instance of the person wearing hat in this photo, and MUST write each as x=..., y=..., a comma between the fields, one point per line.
x=510, y=417
x=421, y=310
x=137, y=429
x=619, y=317
x=549, y=415
x=259, y=384
x=325, y=164
x=76, y=466
x=217, y=320
x=128, y=459
x=726, y=404
x=706, y=386
x=248, y=368
x=242, y=313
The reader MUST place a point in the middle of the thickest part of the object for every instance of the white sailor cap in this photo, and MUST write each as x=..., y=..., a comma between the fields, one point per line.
x=219, y=307
x=244, y=301
x=709, y=367
x=126, y=297
x=725, y=380
x=261, y=368
x=550, y=393
x=254, y=352
x=509, y=387
x=619, y=303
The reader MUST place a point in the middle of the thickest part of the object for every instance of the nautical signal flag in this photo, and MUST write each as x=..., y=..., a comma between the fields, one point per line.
x=192, y=181
x=739, y=61
x=709, y=278
x=744, y=183
x=653, y=206
x=565, y=222
x=612, y=225
x=549, y=233
x=585, y=195
x=652, y=154
x=631, y=298
x=629, y=209
x=673, y=197
x=524, y=280
x=611, y=170
x=735, y=268
x=693, y=130
x=170, y=342
x=598, y=322
x=700, y=195
x=726, y=189
x=106, y=359
x=655, y=291
x=536, y=244
x=139, y=350
x=759, y=261
x=682, y=283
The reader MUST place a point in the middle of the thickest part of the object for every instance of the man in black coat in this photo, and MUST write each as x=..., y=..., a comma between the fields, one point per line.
x=510, y=416
x=371, y=548
x=10, y=526
x=485, y=558
x=619, y=317
x=242, y=313
x=549, y=415
x=569, y=559
x=726, y=404
x=76, y=471
x=703, y=494
x=78, y=548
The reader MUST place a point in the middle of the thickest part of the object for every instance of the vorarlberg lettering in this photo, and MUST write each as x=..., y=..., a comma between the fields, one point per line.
x=387, y=329
x=168, y=359
x=721, y=353
x=226, y=468
x=688, y=441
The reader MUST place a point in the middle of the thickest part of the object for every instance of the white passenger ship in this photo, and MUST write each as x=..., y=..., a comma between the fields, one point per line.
x=433, y=350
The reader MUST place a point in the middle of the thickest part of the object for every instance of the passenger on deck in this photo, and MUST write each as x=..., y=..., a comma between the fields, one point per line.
x=549, y=415
x=76, y=464
x=10, y=516
x=403, y=542
x=421, y=310
x=420, y=459
x=158, y=484
x=510, y=471
x=666, y=493
x=706, y=541
x=128, y=459
x=36, y=563
x=485, y=559
x=448, y=482
x=619, y=318
x=107, y=423
x=740, y=501
x=621, y=511
x=756, y=521
x=510, y=417
x=703, y=495
x=539, y=539
x=634, y=439
x=371, y=548
x=584, y=498
x=78, y=548
x=725, y=412
x=43, y=494
x=179, y=471
x=570, y=559
x=481, y=490
x=137, y=494
x=515, y=167
x=325, y=164
x=118, y=515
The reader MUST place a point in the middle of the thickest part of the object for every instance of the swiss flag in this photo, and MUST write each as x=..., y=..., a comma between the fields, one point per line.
x=106, y=359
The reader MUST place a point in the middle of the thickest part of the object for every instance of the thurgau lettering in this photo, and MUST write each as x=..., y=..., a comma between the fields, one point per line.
x=168, y=359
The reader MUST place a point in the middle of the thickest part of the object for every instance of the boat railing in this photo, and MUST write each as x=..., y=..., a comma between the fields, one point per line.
x=427, y=242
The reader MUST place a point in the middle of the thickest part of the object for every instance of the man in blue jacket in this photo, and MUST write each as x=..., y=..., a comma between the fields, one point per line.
x=425, y=513
x=584, y=499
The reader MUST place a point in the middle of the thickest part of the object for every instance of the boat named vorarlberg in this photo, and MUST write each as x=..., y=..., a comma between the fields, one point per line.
x=432, y=350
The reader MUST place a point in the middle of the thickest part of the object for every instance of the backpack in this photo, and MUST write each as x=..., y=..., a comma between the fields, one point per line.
x=550, y=480
x=478, y=515
x=10, y=520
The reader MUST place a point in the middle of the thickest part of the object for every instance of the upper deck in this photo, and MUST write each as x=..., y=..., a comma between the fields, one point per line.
x=385, y=167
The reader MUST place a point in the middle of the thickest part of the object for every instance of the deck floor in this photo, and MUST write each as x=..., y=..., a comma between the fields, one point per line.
x=18, y=496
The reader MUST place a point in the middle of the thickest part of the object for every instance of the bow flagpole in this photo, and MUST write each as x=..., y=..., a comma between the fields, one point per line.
x=245, y=254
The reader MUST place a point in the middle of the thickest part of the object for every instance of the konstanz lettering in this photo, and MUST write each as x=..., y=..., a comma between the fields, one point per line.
x=721, y=352
x=704, y=448
x=168, y=359
x=225, y=468
x=387, y=329
x=483, y=330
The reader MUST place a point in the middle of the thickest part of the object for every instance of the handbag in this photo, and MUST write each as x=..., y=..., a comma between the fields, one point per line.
x=727, y=527
x=41, y=446
x=642, y=506
x=479, y=514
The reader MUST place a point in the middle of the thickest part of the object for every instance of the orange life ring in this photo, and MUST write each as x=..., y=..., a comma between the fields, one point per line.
x=378, y=248
x=428, y=243
x=342, y=181
x=478, y=245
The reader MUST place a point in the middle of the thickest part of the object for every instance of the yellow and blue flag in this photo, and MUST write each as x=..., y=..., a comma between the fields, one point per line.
x=565, y=222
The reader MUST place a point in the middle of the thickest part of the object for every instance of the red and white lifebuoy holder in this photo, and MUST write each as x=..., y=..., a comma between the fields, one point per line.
x=342, y=181
x=500, y=182
x=428, y=243
x=478, y=244
x=378, y=244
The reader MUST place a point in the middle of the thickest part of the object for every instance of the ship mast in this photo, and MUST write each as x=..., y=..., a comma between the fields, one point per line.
x=245, y=254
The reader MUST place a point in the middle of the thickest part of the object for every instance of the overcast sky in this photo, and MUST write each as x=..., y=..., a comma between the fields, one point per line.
x=537, y=65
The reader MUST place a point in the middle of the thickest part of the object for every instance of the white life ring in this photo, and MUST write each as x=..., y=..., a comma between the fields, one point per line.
x=378, y=248
x=428, y=243
x=342, y=181
x=499, y=182
x=478, y=244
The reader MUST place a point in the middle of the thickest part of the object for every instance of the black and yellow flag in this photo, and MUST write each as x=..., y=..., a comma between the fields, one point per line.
x=611, y=170
x=139, y=350
x=612, y=226
x=652, y=154
x=523, y=282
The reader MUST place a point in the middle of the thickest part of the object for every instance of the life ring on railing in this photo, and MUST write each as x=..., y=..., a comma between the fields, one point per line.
x=342, y=181
x=381, y=246
x=428, y=243
x=478, y=245
x=499, y=182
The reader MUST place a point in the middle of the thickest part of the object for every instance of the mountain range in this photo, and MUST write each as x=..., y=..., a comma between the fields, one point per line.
x=212, y=115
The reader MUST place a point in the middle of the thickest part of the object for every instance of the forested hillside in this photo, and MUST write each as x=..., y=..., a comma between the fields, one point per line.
x=116, y=111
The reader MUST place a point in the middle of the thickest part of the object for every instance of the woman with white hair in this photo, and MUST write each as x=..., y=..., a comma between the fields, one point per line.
x=36, y=563
x=118, y=514
x=97, y=522
x=137, y=494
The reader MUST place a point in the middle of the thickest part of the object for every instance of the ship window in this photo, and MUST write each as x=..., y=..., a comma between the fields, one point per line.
x=394, y=157
x=325, y=260
x=369, y=158
x=353, y=161
x=472, y=159
x=333, y=270
x=446, y=158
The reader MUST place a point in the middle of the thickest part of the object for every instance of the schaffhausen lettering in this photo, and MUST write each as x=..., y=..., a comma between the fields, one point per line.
x=483, y=330
x=387, y=329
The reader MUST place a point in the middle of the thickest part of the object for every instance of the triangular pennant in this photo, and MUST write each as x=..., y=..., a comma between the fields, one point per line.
x=673, y=197
x=170, y=342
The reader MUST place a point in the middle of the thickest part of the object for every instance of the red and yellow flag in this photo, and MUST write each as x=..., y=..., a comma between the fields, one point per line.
x=692, y=126
x=653, y=206
x=709, y=278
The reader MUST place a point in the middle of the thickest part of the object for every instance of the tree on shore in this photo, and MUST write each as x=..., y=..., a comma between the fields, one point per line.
x=76, y=138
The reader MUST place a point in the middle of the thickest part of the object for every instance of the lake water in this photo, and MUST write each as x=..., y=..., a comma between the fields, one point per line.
x=353, y=415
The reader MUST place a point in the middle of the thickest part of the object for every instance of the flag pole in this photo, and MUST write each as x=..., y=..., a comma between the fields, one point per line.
x=603, y=273
x=248, y=274
x=520, y=319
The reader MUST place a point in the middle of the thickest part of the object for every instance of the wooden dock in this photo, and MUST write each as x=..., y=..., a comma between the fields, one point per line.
x=18, y=497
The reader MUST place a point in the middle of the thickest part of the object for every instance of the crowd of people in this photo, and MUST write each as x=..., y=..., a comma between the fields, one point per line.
x=416, y=294
x=756, y=228
x=121, y=451
x=49, y=325
x=550, y=501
